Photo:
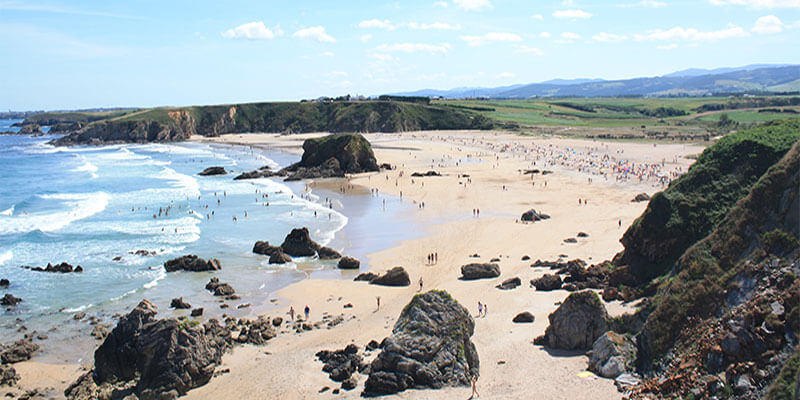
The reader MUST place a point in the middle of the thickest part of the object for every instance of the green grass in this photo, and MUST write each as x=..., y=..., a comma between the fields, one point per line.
x=785, y=385
x=748, y=116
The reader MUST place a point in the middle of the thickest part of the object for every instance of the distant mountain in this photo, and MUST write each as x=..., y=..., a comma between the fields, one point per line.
x=690, y=82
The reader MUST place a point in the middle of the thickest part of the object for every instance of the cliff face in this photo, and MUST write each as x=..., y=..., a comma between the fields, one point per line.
x=179, y=124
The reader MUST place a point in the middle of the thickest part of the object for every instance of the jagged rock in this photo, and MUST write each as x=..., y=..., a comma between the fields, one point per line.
x=511, y=283
x=570, y=287
x=192, y=263
x=480, y=271
x=335, y=155
x=397, y=276
x=180, y=304
x=612, y=354
x=429, y=347
x=386, y=166
x=570, y=240
x=547, y=282
x=429, y=173
x=99, y=332
x=8, y=375
x=640, y=197
x=258, y=332
x=10, y=300
x=4, y=283
x=197, y=312
x=582, y=234
x=350, y=383
x=155, y=358
x=329, y=169
x=348, y=263
x=63, y=268
x=218, y=288
x=576, y=323
x=327, y=253
x=263, y=172
x=340, y=364
x=213, y=171
x=279, y=257
x=298, y=243
x=265, y=248
x=366, y=276
x=21, y=350
x=533, y=216
x=523, y=317
x=277, y=321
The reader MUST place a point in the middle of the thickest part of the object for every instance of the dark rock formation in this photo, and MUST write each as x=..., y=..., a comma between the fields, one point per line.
x=533, y=216
x=511, y=283
x=9, y=300
x=547, y=282
x=577, y=323
x=265, y=248
x=640, y=197
x=279, y=257
x=612, y=354
x=192, y=263
x=397, y=276
x=366, y=276
x=348, y=263
x=210, y=171
x=340, y=364
x=582, y=234
x=263, y=172
x=386, y=166
x=4, y=283
x=21, y=350
x=429, y=347
x=63, y=268
x=257, y=332
x=429, y=173
x=523, y=317
x=570, y=240
x=480, y=271
x=218, y=288
x=333, y=156
x=8, y=375
x=526, y=258
x=327, y=253
x=299, y=244
x=197, y=312
x=178, y=303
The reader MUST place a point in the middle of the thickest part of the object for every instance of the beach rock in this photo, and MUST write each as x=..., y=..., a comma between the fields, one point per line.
x=576, y=323
x=263, y=172
x=329, y=169
x=279, y=257
x=99, y=332
x=63, y=268
x=219, y=288
x=547, y=282
x=265, y=248
x=582, y=234
x=213, y=171
x=366, y=276
x=159, y=358
x=480, y=271
x=277, y=321
x=509, y=284
x=197, y=312
x=386, y=166
x=494, y=260
x=533, y=216
x=257, y=332
x=327, y=253
x=340, y=364
x=8, y=375
x=298, y=243
x=612, y=354
x=526, y=258
x=180, y=304
x=4, y=283
x=192, y=263
x=349, y=263
x=430, y=347
x=397, y=276
x=350, y=383
x=523, y=317
x=429, y=173
x=570, y=240
x=610, y=294
x=640, y=197
x=10, y=300
x=21, y=350
x=335, y=155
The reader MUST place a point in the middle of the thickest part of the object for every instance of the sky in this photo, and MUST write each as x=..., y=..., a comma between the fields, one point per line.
x=84, y=54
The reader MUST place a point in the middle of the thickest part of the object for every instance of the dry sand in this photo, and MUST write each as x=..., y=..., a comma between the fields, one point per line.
x=511, y=366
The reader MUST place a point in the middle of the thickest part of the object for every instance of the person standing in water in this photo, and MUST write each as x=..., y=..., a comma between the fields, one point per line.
x=307, y=311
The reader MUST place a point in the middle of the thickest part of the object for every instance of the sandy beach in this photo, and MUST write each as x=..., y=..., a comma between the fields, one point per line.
x=472, y=208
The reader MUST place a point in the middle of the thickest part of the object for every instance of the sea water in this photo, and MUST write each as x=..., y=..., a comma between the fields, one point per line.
x=96, y=206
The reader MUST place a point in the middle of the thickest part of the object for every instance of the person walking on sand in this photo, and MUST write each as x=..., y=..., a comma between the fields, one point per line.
x=480, y=309
x=475, y=394
x=291, y=313
x=485, y=310
x=378, y=300
x=420, y=284
x=307, y=311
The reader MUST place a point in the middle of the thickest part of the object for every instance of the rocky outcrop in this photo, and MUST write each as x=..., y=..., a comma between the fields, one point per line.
x=263, y=172
x=265, y=248
x=640, y=198
x=192, y=263
x=4, y=283
x=211, y=171
x=533, y=216
x=348, y=263
x=334, y=155
x=423, y=174
x=63, y=268
x=9, y=300
x=367, y=276
x=298, y=243
x=126, y=131
x=511, y=283
x=279, y=257
x=396, y=276
x=153, y=359
x=257, y=332
x=430, y=347
x=8, y=375
x=179, y=304
x=219, y=288
x=327, y=253
x=576, y=323
x=480, y=271
x=547, y=282
x=341, y=364
x=21, y=350
x=523, y=317
x=612, y=354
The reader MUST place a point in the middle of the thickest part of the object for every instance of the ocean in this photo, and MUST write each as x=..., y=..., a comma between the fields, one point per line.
x=96, y=206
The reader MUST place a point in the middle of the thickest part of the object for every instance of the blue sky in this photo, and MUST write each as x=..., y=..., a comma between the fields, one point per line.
x=76, y=54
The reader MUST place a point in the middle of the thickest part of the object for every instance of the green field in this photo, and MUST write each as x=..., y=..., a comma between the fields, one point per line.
x=749, y=116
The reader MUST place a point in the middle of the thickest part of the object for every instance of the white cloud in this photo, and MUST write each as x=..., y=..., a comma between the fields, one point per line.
x=505, y=75
x=251, y=30
x=758, y=4
x=608, y=37
x=570, y=36
x=667, y=46
x=473, y=5
x=382, y=56
x=315, y=32
x=434, y=26
x=768, y=24
x=692, y=34
x=572, y=14
x=545, y=35
x=327, y=54
x=440, y=4
x=644, y=3
x=490, y=38
x=529, y=50
x=365, y=38
x=538, y=17
x=414, y=48
x=376, y=23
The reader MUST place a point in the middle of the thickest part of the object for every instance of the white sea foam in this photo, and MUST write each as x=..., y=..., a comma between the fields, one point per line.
x=6, y=256
x=79, y=206
x=77, y=309
x=187, y=184
x=8, y=212
x=161, y=275
x=87, y=167
x=175, y=149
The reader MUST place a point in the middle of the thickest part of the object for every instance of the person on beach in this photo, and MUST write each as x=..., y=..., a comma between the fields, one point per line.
x=480, y=309
x=475, y=394
x=291, y=313
x=378, y=300
x=485, y=310
x=307, y=311
x=420, y=284
x=436, y=258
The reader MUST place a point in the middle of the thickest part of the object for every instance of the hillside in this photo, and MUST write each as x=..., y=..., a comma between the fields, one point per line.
x=175, y=124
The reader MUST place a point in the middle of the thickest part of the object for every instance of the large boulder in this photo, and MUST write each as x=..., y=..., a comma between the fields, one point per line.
x=263, y=172
x=430, y=347
x=576, y=323
x=279, y=257
x=533, y=216
x=4, y=283
x=327, y=253
x=612, y=354
x=367, y=276
x=21, y=350
x=348, y=263
x=179, y=304
x=63, y=268
x=157, y=358
x=9, y=300
x=257, y=332
x=511, y=283
x=335, y=155
x=340, y=364
x=210, y=171
x=480, y=271
x=265, y=248
x=192, y=263
x=8, y=375
x=640, y=197
x=396, y=276
x=523, y=317
x=298, y=243
x=547, y=282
